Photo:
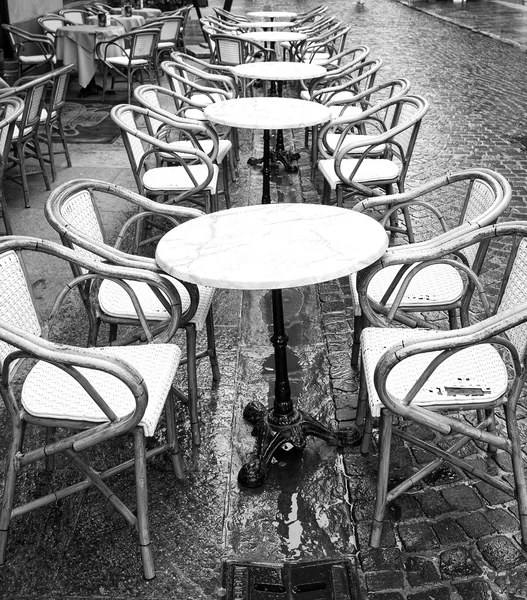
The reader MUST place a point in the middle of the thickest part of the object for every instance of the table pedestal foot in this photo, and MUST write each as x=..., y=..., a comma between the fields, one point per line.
x=285, y=157
x=272, y=432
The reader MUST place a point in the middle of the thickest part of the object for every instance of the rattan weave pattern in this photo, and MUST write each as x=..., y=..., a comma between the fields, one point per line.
x=114, y=301
x=49, y=392
x=463, y=370
x=515, y=294
x=15, y=299
x=78, y=211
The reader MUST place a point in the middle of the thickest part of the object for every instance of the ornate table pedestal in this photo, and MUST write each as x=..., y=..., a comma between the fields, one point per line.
x=267, y=114
x=273, y=247
x=278, y=71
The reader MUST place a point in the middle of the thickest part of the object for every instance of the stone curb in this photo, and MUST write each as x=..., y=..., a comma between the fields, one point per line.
x=411, y=4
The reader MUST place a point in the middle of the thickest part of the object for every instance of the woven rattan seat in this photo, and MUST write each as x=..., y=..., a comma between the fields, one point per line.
x=440, y=390
x=349, y=176
x=73, y=210
x=93, y=395
x=480, y=197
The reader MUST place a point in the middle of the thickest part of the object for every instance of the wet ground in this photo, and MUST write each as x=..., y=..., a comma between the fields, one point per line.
x=451, y=537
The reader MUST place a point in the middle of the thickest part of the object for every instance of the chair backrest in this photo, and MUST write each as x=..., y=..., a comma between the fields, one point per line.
x=59, y=89
x=170, y=28
x=230, y=49
x=143, y=43
x=178, y=84
x=50, y=24
x=17, y=303
x=10, y=110
x=33, y=93
x=229, y=17
x=75, y=15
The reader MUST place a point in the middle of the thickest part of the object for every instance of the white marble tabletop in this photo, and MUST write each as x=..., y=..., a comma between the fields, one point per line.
x=273, y=36
x=267, y=113
x=264, y=24
x=279, y=70
x=272, y=14
x=271, y=246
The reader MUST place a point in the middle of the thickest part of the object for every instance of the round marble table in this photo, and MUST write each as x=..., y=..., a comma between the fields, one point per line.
x=275, y=70
x=273, y=247
x=271, y=37
x=264, y=24
x=267, y=114
x=272, y=14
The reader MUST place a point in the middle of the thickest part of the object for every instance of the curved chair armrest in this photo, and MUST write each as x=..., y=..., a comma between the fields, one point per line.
x=447, y=343
x=167, y=294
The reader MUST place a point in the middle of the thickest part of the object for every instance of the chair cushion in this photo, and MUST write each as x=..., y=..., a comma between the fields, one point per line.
x=123, y=61
x=224, y=147
x=116, y=302
x=173, y=179
x=49, y=392
x=35, y=59
x=477, y=368
x=434, y=286
x=341, y=110
x=206, y=99
x=371, y=170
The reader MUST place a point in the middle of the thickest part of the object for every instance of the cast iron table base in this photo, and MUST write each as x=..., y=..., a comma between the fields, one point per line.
x=284, y=423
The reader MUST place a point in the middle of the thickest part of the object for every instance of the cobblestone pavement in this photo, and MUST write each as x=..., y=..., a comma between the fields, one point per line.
x=450, y=538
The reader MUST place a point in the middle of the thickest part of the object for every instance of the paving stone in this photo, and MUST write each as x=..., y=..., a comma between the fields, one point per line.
x=491, y=494
x=417, y=537
x=433, y=503
x=449, y=532
x=458, y=562
x=407, y=507
x=387, y=596
x=420, y=571
x=475, y=590
x=501, y=553
x=502, y=520
x=381, y=581
x=514, y=581
x=438, y=593
x=476, y=525
x=378, y=559
x=462, y=497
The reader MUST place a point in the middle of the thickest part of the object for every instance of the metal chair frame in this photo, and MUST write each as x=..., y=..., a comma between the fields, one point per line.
x=11, y=109
x=23, y=44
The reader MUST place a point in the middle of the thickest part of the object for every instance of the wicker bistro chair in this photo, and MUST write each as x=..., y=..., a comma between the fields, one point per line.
x=25, y=141
x=170, y=29
x=72, y=210
x=51, y=117
x=197, y=134
x=323, y=47
x=191, y=176
x=137, y=57
x=31, y=50
x=76, y=15
x=229, y=17
x=479, y=196
x=94, y=395
x=377, y=159
x=444, y=387
x=231, y=50
x=10, y=110
x=51, y=22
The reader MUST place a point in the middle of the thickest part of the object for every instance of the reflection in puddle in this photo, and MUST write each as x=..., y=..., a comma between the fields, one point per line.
x=288, y=525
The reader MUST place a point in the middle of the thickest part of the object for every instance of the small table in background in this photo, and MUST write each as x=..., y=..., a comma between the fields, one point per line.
x=274, y=247
x=128, y=23
x=272, y=14
x=264, y=24
x=267, y=114
x=76, y=44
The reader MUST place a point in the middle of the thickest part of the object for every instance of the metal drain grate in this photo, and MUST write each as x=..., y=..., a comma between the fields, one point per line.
x=314, y=580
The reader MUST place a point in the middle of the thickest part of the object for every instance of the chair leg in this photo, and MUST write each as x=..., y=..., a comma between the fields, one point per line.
x=385, y=442
x=326, y=192
x=211, y=346
x=358, y=326
x=62, y=135
x=41, y=162
x=362, y=406
x=192, y=383
x=5, y=215
x=177, y=458
x=226, y=192
x=340, y=196
x=143, y=527
x=51, y=157
x=8, y=497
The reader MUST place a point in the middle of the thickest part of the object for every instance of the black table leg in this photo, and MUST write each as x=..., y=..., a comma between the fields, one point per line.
x=279, y=154
x=283, y=423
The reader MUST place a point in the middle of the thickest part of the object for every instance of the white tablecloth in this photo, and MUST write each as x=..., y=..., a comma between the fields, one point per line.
x=128, y=23
x=76, y=44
